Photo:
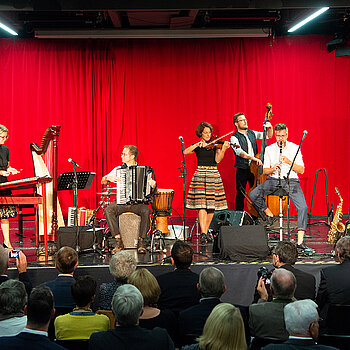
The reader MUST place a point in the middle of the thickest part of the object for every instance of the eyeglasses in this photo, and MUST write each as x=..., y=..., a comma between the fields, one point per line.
x=4, y=137
x=281, y=136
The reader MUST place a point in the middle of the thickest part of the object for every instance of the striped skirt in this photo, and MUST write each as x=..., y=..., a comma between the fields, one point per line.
x=206, y=190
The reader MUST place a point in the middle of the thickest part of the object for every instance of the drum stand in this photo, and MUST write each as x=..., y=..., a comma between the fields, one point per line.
x=157, y=239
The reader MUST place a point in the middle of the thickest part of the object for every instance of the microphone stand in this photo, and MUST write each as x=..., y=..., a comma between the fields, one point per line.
x=75, y=200
x=288, y=181
x=183, y=171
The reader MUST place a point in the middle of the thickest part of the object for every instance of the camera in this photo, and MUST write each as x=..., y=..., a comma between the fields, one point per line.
x=14, y=254
x=265, y=274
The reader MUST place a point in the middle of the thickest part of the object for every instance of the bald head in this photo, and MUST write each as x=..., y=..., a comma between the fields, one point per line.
x=283, y=284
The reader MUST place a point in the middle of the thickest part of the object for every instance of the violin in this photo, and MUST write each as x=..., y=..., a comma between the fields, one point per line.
x=217, y=142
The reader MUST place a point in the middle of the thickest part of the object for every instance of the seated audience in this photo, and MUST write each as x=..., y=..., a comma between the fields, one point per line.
x=39, y=311
x=179, y=287
x=191, y=321
x=266, y=319
x=81, y=322
x=121, y=265
x=13, y=298
x=151, y=316
x=285, y=255
x=66, y=262
x=21, y=264
x=223, y=330
x=335, y=280
x=301, y=319
x=127, y=304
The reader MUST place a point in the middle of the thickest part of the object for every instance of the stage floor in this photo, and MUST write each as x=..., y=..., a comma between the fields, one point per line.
x=315, y=237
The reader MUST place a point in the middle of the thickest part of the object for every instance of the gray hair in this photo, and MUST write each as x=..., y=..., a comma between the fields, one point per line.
x=283, y=284
x=3, y=128
x=299, y=315
x=4, y=260
x=211, y=282
x=127, y=304
x=13, y=297
x=343, y=248
x=122, y=265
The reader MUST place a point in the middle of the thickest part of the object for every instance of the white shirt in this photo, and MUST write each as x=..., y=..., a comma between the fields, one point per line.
x=12, y=326
x=238, y=151
x=272, y=157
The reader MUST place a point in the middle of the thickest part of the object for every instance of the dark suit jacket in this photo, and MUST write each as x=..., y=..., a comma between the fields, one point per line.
x=306, y=283
x=298, y=344
x=28, y=341
x=179, y=290
x=266, y=320
x=334, y=287
x=192, y=320
x=60, y=288
x=131, y=338
x=23, y=277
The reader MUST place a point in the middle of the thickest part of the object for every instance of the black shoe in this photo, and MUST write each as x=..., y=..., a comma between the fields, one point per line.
x=305, y=248
x=203, y=239
x=270, y=220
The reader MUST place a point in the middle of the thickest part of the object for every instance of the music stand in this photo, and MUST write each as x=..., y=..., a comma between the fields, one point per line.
x=74, y=181
x=66, y=180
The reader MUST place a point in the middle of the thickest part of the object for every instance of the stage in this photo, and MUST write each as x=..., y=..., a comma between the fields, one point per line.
x=240, y=277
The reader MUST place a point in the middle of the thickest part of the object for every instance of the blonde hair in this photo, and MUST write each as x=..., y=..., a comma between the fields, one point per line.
x=223, y=330
x=147, y=284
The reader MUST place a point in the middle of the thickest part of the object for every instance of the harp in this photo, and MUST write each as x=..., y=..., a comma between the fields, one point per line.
x=45, y=164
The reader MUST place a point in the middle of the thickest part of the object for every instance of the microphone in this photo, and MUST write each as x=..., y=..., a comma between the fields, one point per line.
x=304, y=134
x=70, y=160
x=181, y=139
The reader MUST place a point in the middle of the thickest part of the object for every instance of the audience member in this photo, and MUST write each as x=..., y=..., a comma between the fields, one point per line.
x=179, y=287
x=121, y=265
x=191, y=321
x=13, y=298
x=151, y=316
x=223, y=330
x=335, y=280
x=39, y=311
x=66, y=263
x=285, y=255
x=266, y=319
x=82, y=322
x=21, y=264
x=127, y=304
x=301, y=319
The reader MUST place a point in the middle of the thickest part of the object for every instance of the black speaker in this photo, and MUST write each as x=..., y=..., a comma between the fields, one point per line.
x=243, y=243
x=67, y=236
x=230, y=218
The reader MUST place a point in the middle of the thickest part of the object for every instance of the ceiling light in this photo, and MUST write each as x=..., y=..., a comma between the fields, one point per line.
x=7, y=29
x=308, y=19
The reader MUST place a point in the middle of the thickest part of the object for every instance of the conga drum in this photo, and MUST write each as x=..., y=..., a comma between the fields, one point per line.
x=161, y=205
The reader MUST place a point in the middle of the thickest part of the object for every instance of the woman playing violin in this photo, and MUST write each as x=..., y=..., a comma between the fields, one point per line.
x=206, y=192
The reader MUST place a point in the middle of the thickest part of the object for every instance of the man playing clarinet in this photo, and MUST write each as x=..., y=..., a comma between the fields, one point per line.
x=277, y=162
x=114, y=210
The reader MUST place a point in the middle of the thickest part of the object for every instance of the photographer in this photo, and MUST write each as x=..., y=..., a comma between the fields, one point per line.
x=284, y=256
x=266, y=318
x=21, y=264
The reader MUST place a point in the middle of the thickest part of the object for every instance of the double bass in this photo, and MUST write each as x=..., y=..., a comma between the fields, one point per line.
x=272, y=201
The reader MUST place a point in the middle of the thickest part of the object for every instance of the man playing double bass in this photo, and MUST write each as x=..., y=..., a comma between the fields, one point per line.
x=244, y=155
x=277, y=162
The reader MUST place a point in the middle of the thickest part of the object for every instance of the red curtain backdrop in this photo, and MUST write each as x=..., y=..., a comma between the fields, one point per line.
x=108, y=93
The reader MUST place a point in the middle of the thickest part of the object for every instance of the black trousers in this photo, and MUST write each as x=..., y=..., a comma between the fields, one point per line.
x=243, y=176
x=114, y=210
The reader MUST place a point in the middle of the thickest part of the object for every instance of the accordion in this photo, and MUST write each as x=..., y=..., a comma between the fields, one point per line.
x=134, y=185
